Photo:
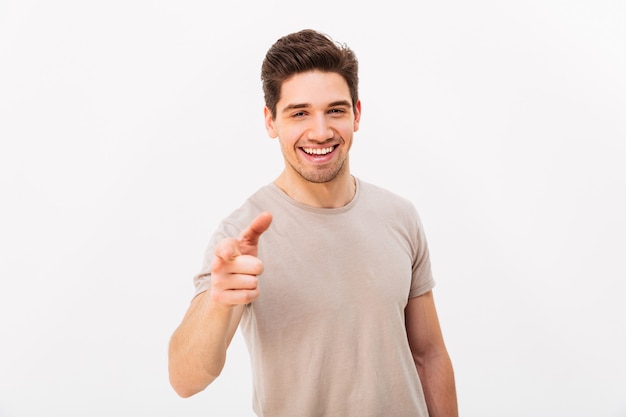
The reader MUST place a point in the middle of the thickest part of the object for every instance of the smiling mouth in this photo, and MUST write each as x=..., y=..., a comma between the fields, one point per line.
x=319, y=151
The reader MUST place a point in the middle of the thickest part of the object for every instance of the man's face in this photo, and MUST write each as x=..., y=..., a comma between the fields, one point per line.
x=315, y=122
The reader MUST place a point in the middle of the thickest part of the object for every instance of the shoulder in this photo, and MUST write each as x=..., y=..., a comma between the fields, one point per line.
x=380, y=196
x=395, y=209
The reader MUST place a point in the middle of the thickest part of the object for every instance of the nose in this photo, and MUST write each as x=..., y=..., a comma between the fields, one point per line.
x=319, y=129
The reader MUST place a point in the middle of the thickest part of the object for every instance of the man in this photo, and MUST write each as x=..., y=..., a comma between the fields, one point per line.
x=328, y=276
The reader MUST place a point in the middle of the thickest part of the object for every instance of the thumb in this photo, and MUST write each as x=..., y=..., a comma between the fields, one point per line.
x=249, y=237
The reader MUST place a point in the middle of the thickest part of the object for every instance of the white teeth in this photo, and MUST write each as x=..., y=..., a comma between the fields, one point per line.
x=318, y=151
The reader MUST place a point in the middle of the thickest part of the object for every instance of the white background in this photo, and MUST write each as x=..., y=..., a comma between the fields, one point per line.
x=130, y=128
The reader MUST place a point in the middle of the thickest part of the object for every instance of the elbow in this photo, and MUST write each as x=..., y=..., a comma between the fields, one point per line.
x=181, y=387
x=184, y=392
x=430, y=356
x=187, y=386
x=185, y=389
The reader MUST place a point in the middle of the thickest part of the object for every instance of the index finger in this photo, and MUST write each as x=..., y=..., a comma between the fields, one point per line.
x=250, y=235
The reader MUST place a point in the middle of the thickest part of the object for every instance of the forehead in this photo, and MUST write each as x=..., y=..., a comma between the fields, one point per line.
x=313, y=88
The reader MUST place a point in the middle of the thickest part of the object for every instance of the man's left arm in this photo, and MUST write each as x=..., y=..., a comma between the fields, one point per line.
x=431, y=356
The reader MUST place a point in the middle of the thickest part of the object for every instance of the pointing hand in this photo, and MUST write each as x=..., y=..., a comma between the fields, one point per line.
x=235, y=266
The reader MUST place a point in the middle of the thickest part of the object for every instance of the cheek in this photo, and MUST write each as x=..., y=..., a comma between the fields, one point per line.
x=286, y=146
x=289, y=135
x=347, y=132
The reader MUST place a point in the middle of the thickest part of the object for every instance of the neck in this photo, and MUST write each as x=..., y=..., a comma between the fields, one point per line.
x=333, y=194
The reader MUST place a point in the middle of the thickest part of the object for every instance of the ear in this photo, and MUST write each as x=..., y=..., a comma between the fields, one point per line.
x=269, y=123
x=357, y=115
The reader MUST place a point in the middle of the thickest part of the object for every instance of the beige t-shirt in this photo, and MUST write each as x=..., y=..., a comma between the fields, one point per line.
x=327, y=334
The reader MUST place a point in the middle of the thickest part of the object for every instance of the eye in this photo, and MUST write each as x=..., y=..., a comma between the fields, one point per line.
x=336, y=111
x=298, y=115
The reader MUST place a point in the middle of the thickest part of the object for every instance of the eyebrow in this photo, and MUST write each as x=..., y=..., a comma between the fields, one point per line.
x=297, y=106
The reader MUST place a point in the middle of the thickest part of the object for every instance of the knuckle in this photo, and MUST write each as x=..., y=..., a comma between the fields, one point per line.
x=260, y=267
x=216, y=264
x=249, y=296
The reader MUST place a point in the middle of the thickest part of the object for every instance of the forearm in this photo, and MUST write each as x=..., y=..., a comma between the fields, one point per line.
x=197, y=349
x=437, y=377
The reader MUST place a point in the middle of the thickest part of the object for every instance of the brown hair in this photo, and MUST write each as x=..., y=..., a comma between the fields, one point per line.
x=303, y=51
